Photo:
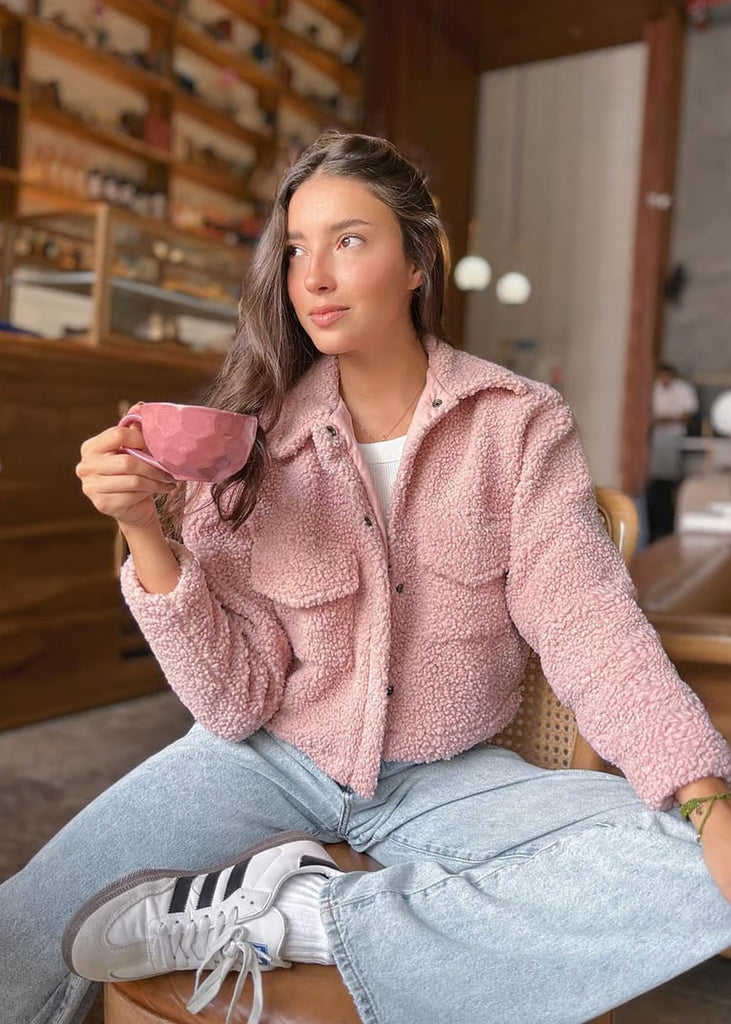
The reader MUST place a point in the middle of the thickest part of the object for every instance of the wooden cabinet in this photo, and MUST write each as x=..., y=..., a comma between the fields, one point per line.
x=66, y=639
x=123, y=280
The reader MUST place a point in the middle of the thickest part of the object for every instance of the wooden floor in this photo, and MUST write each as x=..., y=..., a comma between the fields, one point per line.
x=50, y=771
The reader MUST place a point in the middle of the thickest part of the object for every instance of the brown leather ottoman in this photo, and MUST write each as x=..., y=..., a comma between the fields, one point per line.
x=304, y=994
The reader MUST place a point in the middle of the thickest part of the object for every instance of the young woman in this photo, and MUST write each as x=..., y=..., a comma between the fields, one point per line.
x=348, y=620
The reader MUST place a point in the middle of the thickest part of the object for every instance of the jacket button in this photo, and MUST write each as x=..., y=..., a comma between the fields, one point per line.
x=367, y=520
x=437, y=402
x=399, y=588
x=389, y=691
x=331, y=431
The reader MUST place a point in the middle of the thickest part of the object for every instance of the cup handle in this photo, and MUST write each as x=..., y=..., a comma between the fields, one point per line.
x=130, y=419
x=133, y=419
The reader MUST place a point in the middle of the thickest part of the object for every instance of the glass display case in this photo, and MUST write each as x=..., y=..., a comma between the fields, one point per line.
x=105, y=276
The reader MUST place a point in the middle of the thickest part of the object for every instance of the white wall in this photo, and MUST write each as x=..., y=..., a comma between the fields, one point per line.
x=555, y=197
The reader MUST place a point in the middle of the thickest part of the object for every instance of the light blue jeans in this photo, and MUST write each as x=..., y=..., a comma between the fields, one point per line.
x=511, y=895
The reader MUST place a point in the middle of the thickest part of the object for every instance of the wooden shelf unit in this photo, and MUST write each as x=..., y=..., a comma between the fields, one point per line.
x=169, y=35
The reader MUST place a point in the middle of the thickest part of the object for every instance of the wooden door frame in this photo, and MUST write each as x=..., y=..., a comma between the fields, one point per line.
x=665, y=39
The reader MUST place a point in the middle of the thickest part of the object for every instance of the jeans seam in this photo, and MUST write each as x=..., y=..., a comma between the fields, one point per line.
x=496, y=866
x=70, y=987
x=354, y=982
x=427, y=848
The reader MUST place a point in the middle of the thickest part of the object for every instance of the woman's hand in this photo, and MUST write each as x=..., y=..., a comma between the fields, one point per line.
x=716, y=840
x=120, y=485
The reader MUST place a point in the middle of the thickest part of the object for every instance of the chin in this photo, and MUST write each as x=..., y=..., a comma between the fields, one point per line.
x=331, y=344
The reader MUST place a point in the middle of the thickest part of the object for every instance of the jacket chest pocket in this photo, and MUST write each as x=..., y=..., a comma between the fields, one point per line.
x=469, y=550
x=314, y=590
x=463, y=572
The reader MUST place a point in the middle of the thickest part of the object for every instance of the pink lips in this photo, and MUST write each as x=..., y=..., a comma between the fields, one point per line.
x=327, y=315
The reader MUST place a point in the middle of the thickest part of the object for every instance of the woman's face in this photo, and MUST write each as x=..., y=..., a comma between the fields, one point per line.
x=348, y=277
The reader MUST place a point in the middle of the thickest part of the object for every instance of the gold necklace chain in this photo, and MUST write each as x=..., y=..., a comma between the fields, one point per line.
x=388, y=433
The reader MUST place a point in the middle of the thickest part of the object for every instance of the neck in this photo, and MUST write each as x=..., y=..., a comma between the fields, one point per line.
x=378, y=391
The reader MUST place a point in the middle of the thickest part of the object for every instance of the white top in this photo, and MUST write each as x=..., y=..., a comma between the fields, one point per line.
x=382, y=459
x=674, y=400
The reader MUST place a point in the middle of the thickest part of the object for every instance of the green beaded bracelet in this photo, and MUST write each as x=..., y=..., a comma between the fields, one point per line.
x=690, y=805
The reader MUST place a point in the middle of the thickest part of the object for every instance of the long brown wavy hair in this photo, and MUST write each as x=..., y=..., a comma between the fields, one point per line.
x=271, y=349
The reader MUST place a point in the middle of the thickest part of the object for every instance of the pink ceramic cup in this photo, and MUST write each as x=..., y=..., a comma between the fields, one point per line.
x=192, y=442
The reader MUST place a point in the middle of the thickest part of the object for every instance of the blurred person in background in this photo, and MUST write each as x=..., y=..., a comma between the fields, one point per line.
x=674, y=402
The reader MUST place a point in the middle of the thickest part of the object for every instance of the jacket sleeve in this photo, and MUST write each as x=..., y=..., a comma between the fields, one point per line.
x=218, y=642
x=572, y=599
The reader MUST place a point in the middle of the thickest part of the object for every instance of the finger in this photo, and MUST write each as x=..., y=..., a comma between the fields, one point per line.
x=112, y=439
x=132, y=465
x=118, y=464
x=126, y=485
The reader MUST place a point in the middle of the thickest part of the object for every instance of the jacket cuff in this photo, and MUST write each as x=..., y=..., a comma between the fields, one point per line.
x=148, y=607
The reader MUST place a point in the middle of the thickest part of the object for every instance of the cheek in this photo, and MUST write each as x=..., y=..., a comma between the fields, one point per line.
x=386, y=282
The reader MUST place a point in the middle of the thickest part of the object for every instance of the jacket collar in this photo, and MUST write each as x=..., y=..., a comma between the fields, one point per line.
x=452, y=374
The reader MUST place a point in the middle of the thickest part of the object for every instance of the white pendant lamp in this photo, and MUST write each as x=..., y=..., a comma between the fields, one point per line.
x=472, y=274
x=513, y=289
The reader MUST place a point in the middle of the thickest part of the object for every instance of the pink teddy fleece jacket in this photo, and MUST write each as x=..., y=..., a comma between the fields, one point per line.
x=357, y=642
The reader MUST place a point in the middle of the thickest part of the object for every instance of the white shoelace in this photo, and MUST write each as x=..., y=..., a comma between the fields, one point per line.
x=225, y=948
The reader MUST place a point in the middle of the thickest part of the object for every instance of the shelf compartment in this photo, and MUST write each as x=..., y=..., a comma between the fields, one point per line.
x=81, y=282
x=346, y=77
x=250, y=12
x=245, y=67
x=213, y=180
x=95, y=61
x=8, y=174
x=340, y=15
x=198, y=110
x=310, y=110
x=143, y=10
x=52, y=118
x=55, y=197
x=68, y=202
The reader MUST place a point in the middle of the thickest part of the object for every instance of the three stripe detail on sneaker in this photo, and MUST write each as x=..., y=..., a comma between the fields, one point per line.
x=179, y=899
x=181, y=891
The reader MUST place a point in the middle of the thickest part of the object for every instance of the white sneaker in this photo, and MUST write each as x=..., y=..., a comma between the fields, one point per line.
x=157, y=921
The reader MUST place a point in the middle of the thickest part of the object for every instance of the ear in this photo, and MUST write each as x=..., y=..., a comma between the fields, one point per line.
x=415, y=278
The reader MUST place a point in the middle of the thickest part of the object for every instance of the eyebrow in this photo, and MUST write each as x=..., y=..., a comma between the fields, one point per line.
x=340, y=225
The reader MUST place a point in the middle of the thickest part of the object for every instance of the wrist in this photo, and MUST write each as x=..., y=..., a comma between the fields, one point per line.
x=701, y=787
x=141, y=532
x=157, y=568
x=705, y=801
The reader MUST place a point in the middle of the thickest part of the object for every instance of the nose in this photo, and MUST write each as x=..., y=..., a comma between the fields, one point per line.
x=319, y=276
